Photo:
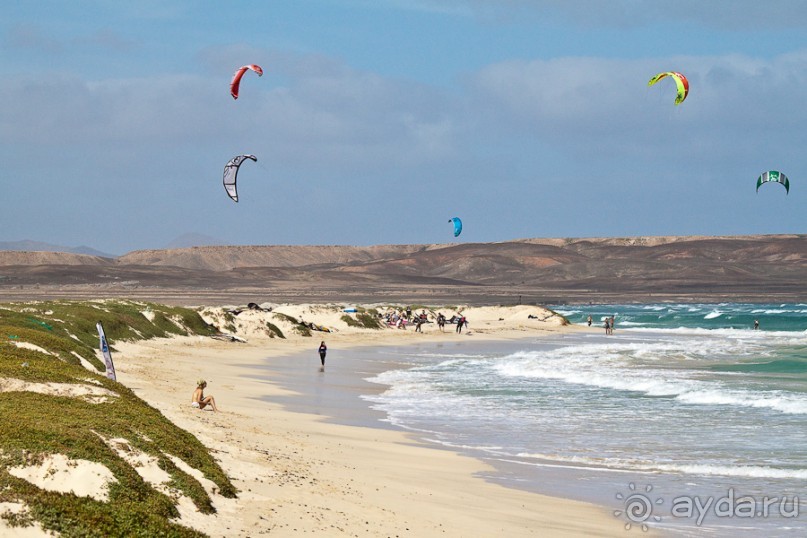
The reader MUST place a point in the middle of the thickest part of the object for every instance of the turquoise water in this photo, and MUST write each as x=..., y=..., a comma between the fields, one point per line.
x=772, y=317
x=686, y=399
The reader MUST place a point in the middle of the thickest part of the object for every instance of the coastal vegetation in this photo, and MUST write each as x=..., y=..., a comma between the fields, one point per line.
x=364, y=320
x=56, y=400
x=301, y=328
x=273, y=331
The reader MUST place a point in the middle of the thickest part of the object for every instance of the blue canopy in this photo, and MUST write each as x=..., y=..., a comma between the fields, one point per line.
x=457, y=226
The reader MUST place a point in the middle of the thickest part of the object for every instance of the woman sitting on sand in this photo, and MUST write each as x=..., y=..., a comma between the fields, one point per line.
x=199, y=399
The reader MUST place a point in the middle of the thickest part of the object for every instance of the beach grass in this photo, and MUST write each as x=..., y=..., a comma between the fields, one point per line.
x=40, y=343
x=298, y=325
x=273, y=331
x=364, y=320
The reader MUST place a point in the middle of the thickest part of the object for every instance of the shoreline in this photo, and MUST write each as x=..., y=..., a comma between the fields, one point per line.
x=301, y=472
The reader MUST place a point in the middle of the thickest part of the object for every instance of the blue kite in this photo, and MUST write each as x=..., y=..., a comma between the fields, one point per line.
x=457, y=226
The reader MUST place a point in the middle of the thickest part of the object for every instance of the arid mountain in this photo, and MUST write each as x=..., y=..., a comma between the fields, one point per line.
x=754, y=268
x=226, y=258
x=194, y=240
x=45, y=258
x=47, y=247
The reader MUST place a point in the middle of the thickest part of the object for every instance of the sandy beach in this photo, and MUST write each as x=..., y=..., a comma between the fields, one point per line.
x=586, y=223
x=299, y=474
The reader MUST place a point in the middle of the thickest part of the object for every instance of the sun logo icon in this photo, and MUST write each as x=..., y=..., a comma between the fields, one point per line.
x=638, y=507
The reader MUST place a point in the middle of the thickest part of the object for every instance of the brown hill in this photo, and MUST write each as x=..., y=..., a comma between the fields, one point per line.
x=755, y=268
x=230, y=257
x=16, y=257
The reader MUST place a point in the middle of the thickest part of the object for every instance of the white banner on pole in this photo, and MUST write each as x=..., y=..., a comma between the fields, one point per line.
x=110, y=368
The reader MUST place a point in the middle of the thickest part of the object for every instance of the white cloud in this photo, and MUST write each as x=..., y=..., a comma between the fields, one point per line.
x=440, y=7
x=338, y=140
x=576, y=102
x=326, y=113
x=314, y=110
x=31, y=37
x=735, y=15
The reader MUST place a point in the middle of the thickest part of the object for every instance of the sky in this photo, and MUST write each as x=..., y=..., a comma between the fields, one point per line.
x=376, y=121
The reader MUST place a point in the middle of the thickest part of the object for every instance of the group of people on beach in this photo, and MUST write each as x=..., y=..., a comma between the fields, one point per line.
x=401, y=318
x=459, y=320
x=609, y=325
x=397, y=319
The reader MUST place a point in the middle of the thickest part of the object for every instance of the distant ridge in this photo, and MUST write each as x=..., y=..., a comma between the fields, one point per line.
x=754, y=268
x=194, y=240
x=44, y=258
x=37, y=246
x=225, y=258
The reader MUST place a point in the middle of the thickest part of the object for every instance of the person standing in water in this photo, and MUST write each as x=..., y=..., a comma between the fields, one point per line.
x=323, y=349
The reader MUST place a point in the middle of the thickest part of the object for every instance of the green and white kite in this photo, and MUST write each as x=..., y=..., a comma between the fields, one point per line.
x=774, y=176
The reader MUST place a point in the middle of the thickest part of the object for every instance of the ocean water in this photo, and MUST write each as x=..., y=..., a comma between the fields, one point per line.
x=685, y=419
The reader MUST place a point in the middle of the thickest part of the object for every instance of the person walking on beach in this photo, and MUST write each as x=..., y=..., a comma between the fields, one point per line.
x=460, y=323
x=589, y=320
x=199, y=400
x=613, y=324
x=323, y=349
x=607, y=325
x=441, y=322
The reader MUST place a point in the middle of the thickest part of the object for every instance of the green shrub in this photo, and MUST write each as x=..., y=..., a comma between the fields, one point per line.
x=350, y=321
x=34, y=425
x=364, y=320
x=285, y=317
x=299, y=327
x=273, y=330
x=369, y=321
x=302, y=330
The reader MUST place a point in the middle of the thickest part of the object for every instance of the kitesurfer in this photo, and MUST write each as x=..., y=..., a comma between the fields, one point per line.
x=460, y=322
x=441, y=321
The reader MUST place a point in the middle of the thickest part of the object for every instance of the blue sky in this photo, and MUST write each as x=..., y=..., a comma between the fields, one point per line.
x=378, y=120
